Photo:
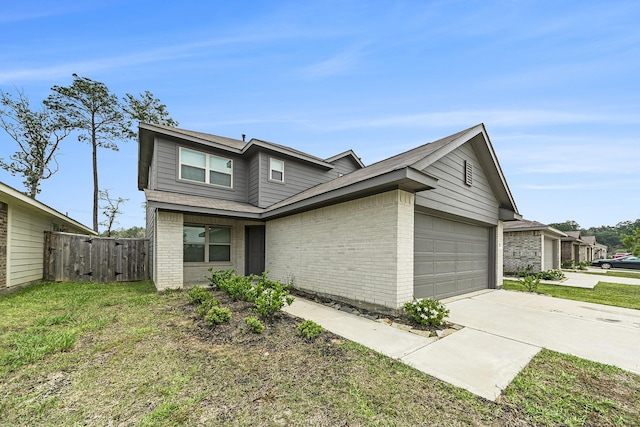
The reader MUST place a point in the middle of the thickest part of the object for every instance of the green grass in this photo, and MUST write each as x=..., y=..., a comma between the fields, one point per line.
x=121, y=354
x=627, y=296
x=610, y=273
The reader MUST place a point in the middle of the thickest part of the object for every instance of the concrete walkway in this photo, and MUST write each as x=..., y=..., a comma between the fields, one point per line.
x=502, y=331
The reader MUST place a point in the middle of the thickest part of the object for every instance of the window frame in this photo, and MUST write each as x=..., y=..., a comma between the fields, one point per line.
x=208, y=244
x=208, y=168
x=271, y=170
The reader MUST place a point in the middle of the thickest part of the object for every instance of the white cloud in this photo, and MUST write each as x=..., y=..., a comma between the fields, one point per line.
x=339, y=63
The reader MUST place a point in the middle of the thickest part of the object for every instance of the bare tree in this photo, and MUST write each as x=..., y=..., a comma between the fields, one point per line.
x=38, y=135
x=110, y=210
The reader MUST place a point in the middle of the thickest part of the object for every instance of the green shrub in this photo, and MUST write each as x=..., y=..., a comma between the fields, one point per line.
x=426, y=311
x=207, y=305
x=219, y=276
x=526, y=271
x=237, y=287
x=551, y=275
x=309, y=330
x=217, y=315
x=270, y=300
x=582, y=265
x=197, y=295
x=254, y=324
x=531, y=283
x=567, y=264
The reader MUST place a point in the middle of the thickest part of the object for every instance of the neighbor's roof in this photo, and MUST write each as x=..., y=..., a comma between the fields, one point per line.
x=528, y=225
x=10, y=194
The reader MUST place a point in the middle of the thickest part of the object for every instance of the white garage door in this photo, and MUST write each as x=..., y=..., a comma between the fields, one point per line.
x=450, y=258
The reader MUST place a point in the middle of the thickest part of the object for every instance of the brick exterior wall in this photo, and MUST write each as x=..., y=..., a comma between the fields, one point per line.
x=167, y=258
x=194, y=273
x=523, y=248
x=4, y=227
x=360, y=251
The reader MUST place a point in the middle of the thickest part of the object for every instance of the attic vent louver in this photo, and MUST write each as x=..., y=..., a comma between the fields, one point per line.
x=468, y=173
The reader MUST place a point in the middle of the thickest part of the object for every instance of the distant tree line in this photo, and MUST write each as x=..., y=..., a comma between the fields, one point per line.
x=622, y=237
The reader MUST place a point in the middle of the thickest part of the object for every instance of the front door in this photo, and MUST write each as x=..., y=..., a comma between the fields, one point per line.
x=255, y=239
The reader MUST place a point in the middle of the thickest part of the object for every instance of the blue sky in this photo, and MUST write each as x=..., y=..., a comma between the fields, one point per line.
x=557, y=84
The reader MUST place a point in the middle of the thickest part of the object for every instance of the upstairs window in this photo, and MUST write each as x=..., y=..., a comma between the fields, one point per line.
x=206, y=168
x=276, y=170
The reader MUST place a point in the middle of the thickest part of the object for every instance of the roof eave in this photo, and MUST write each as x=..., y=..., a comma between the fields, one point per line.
x=25, y=200
x=174, y=207
x=407, y=179
x=284, y=151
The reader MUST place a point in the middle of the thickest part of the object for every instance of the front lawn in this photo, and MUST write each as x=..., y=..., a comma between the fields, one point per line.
x=627, y=296
x=120, y=354
x=610, y=273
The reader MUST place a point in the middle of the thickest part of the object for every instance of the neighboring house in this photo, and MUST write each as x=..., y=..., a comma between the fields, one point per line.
x=531, y=243
x=23, y=222
x=580, y=248
x=427, y=222
x=593, y=249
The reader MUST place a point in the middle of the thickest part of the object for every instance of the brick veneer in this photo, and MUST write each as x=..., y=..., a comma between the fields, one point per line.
x=360, y=250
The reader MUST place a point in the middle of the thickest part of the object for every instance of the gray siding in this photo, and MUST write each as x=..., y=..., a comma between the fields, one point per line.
x=254, y=179
x=344, y=166
x=298, y=176
x=453, y=196
x=167, y=174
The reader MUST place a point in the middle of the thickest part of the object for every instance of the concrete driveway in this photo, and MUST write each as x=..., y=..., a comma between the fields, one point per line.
x=502, y=331
x=595, y=332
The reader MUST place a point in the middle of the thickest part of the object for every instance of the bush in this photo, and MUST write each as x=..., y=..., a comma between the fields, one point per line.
x=551, y=275
x=270, y=300
x=526, y=271
x=567, y=264
x=426, y=311
x=237, y=287
x=197, y=295
x=254, y=324
x=219, y=276
x=582, y=265
x=217, y=315
x=206, y=306
x=309, y=330
x=531, y=283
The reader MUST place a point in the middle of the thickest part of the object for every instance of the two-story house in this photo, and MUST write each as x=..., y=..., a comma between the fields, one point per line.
x=427, y=222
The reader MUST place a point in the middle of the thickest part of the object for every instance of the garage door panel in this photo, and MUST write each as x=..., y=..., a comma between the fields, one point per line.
x=424, y=267
x=450, y=258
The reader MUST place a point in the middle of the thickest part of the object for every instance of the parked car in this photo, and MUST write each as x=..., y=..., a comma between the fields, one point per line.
x=620, y=255
x=623, y=262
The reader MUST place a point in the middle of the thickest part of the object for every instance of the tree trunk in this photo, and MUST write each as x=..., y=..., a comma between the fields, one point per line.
x=94, y=144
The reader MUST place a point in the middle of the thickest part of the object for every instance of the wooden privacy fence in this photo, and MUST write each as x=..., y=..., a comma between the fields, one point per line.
x=74, y=257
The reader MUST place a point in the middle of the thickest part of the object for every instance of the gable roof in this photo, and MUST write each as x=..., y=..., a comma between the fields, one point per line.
x=147, y=132
x=528, y=225
x=403, y=171
x=348, y=153
x=10, y=194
